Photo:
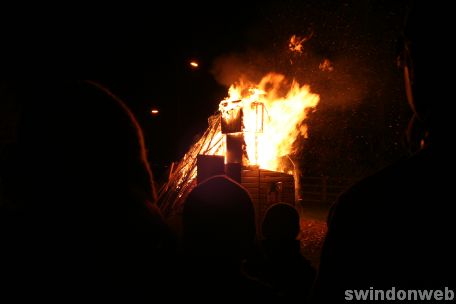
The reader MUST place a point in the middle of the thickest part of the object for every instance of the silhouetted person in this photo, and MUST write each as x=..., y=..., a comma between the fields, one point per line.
x=396, y=228
x=284, y=267
x=81, y=218
x=218, y=232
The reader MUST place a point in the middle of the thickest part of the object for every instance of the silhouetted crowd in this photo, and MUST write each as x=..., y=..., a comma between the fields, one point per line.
x=79, y=219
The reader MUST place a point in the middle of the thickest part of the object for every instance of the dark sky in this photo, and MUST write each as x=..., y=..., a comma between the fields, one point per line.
x=362, y=97
x=157, y=73
x=142, y=55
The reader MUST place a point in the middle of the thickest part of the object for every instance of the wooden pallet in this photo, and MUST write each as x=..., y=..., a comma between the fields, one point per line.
x=267, y=188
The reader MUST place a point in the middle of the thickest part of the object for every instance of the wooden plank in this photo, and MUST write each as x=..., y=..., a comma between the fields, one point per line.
x=273, y=173
x=258, y=183
x=249, y=173
x=250, y=185
x=248, y=179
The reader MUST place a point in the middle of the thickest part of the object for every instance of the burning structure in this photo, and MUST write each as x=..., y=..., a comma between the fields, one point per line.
x=250, y=139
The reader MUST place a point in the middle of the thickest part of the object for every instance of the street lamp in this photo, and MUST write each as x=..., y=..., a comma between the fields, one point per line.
x=194, y=64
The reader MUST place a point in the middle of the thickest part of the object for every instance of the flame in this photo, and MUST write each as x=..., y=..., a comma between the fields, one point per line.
x=273, y=114
x=326, y=66
x=296, y=43
x=273, y=111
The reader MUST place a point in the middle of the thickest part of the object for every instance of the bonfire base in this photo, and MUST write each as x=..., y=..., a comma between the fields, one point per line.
x=267, y=188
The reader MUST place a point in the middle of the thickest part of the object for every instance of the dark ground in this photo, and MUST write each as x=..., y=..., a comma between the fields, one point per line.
x=313, y=231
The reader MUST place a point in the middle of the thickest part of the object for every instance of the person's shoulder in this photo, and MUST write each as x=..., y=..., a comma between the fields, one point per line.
x=219, y=179
x=400, y=176
x=375, y=191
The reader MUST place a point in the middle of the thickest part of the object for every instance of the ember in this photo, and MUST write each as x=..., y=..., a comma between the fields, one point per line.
x=296, y=43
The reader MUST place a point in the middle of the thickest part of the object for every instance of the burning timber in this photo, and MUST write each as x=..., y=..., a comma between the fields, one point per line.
x=266, y=187
x=248, y=139
x=182, y=178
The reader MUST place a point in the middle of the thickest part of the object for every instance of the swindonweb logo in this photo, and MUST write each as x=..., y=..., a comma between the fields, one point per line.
x=394, y=294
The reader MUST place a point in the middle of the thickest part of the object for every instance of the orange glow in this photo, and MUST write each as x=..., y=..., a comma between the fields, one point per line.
x=211, y=143
x=296, y=43
x=274, y=111
x=194, y=64
x=154, y=111
x=326, y=66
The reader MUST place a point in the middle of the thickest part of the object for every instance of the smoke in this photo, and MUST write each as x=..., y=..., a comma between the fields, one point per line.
x=231, y=68
x=348, y=58
x=341, y=81
x=344, y=50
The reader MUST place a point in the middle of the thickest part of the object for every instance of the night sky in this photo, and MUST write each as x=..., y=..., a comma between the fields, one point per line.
x=142, y=54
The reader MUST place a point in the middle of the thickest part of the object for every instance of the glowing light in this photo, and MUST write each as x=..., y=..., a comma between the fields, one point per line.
x=274, y=111
x=296, y=43
x=194, y=64
x=326, y=66
x=154, y=111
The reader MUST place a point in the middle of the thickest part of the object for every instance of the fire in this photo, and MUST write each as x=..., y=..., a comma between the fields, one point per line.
x=296, y=43
x=273, y=115
x=326, y=66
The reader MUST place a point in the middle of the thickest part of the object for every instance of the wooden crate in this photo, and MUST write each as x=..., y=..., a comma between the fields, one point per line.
x=267, y=188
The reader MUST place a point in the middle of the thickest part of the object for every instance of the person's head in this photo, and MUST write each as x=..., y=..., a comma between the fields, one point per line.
x=79, y=178
x=77, y=142
x=218, y=220
x=426, y=58
x=281, y=222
